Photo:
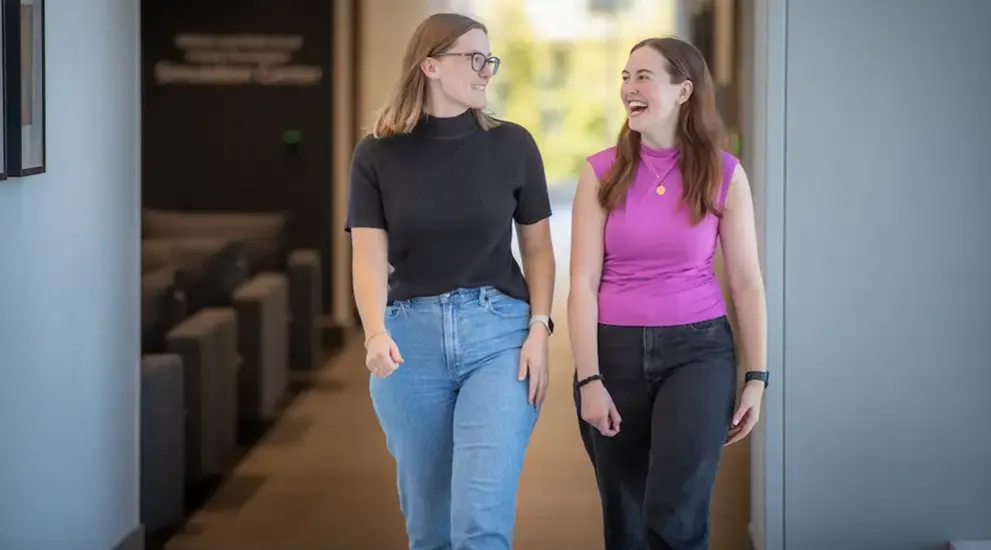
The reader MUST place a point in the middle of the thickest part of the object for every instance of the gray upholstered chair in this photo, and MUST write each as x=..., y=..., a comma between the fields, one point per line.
x=163, y=305
x=262, y=306
x=207, y=269
x=305, y=331
x=226, y=405
x=263, y=237
x=163, y=434
x=206, y=342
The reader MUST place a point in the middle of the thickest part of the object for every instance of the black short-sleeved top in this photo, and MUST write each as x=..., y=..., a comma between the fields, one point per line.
x=447, y=195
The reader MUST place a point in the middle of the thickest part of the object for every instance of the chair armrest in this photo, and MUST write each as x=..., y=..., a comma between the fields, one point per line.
x=163, y=494
x=206, y=343
x=305, y=305
x=262, y=306
x=224, y=404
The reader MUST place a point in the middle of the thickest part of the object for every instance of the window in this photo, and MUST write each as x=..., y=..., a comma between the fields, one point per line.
x=608, y=6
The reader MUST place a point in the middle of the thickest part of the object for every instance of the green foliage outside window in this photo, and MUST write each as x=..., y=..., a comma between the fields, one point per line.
x=565, y=91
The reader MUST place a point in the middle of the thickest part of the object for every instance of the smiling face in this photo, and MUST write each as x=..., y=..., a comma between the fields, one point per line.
x=650, y=96
x=460, y=75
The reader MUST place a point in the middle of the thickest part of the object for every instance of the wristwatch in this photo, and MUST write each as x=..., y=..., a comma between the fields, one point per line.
x=756, y=375
x=543, y=320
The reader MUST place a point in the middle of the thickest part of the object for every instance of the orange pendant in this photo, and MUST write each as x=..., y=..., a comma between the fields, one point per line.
x=661, y=190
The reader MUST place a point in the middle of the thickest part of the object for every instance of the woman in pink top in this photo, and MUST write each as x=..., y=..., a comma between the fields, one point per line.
x=656, y=359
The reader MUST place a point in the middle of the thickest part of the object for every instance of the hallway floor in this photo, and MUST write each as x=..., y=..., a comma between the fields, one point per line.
x=321, y=479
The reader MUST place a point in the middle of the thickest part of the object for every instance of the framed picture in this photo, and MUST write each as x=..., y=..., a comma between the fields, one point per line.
x=24, y=82
x=3, y=109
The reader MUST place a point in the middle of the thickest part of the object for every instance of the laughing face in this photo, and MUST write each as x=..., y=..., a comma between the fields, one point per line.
x=649, y=95
x=464, y=71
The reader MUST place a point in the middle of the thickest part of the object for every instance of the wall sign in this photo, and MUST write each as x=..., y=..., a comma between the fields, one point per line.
x=237, y=60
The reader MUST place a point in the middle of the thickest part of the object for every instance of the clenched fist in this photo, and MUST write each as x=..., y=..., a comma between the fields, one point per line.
x=382, y=357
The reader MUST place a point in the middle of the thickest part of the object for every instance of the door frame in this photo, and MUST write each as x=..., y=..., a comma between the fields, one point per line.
x=763, y=122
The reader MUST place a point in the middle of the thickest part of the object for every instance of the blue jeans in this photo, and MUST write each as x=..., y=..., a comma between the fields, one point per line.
x=456, y=417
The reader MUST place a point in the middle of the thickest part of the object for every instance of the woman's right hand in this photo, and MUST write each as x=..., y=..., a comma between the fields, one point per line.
x=598, y=409
x=382, y=357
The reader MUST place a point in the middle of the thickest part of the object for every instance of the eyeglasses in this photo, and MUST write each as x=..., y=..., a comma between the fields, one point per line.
x=478, y=60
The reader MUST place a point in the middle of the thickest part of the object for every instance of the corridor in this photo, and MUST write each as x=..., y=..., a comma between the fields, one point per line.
x=878, y=303
x=323, y=480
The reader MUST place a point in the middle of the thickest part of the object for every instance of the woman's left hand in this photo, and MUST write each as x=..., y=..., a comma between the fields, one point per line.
x=748, y=412
x=533, y=363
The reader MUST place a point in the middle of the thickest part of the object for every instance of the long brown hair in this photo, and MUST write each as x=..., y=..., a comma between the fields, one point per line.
x=433, y=36
x=700, y=135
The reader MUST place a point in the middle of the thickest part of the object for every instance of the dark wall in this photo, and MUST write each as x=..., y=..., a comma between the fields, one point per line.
x=221, y=146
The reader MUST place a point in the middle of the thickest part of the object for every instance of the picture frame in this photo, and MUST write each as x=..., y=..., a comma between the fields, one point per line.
x=3, y=110
x=24, y=85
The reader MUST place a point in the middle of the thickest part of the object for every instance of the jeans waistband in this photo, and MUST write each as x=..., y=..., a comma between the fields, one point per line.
x=457, y=296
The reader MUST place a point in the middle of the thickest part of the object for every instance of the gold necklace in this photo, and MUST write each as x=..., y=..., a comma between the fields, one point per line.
x=660, y=189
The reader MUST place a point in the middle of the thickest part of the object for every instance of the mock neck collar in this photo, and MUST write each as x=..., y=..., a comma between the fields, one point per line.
x=448, y=127
x=665, y=153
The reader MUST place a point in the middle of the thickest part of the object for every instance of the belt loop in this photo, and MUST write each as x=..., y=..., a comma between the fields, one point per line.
x=483, y=292
x=646, y=348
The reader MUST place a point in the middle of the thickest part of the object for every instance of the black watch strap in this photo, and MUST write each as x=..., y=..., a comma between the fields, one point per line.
x=588, y=380
x=756, y=375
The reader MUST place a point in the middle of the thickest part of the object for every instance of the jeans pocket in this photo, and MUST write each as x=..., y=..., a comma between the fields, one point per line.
x=395, y=309
x=709, y=326
x=505, y=306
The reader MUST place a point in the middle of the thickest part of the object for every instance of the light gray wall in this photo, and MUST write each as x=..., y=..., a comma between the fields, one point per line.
x=875, y=130
x=69, y=309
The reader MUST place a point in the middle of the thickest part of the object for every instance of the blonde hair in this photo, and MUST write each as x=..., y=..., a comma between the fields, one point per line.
x=435, y=35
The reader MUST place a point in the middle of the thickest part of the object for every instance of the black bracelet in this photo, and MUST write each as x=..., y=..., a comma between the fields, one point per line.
x=588, y=380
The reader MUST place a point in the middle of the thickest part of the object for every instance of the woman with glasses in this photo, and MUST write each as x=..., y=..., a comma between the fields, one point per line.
x=655, y=355
x=456, y=336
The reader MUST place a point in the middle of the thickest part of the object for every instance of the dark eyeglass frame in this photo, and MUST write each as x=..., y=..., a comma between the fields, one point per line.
x=478, y=60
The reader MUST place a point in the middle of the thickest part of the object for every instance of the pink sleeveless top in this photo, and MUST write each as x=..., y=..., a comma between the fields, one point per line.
x=657, y=267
